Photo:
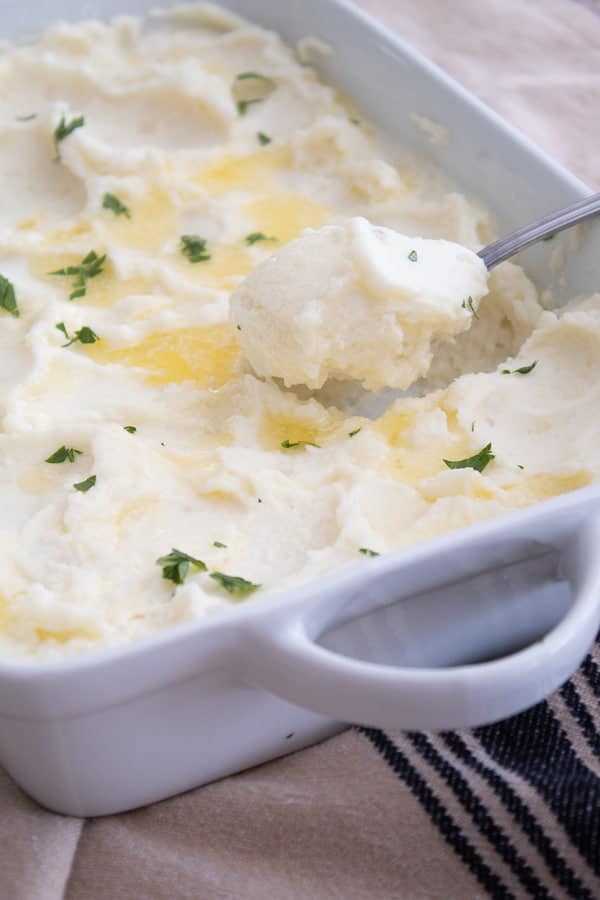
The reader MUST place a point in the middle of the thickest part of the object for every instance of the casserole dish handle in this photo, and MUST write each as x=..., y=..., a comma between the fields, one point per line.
x=552, y=624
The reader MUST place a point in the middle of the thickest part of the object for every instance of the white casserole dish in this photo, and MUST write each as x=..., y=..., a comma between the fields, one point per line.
x=452, y=633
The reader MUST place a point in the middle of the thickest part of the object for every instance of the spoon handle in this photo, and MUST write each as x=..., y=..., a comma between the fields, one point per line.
x=549, y=225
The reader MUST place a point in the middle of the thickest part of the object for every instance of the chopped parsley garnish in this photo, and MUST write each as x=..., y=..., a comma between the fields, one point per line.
x=523, y=370
x=413, y=256
x=219, y=545
x=194, y=248
x=355, y=121
x=520, y=466
x=242, y=105
x=63, y=454
x=256, y=76
x=366, y=552
x=549, y=237
x=257, y=236
x=26, y=118
x=130, y=428
x=8, y=299
x=84, y=335
x=90, y=266
x=239, y=327
x=289, y=445
x=233, y=584
x=84, y=486
x=468, y=304
x=64, y=129
x=263, y=138
x=112, y=202
x=478, y=462
x=176, y=565
x=352, y=433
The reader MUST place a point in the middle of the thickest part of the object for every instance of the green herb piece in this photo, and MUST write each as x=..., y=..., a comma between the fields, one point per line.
x=239, y=327
x=468, y=304
x=90, y=266
x=64, y=129
x=519, y=466
x=549, y=237
x=289, y=445
x=26, y=118
x=366, y=552
x=233, y=584
x=263, y=138
x=355, y=121
x=112, y=202
x=176, y=565
x=84, y=335
x=130, y=428
x=352, y=433
x=219, y=545
x=84, y=486
x=256, y=76
x=257, y=236
x=413, y=256
x=194, y=248
x=242, y=105
x=478, y=462
x=63, y=454
x=524, y=370
x=473, y=425
x=8, y=299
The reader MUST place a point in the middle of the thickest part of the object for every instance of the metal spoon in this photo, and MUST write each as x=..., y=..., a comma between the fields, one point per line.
x=512, y=243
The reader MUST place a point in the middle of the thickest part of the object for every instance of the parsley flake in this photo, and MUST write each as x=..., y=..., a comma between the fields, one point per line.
x=63, y=454
x=8, y=298
x=256, y=76
x=468, y=305
x=64, y=129
x=90, y=266
x=289, y=445
x=523, y=370
x=352, y=433
x=26, y=118
x=234, y=585
x=549, y=237
x=413, y=256
x=84, y=335
x=478, y=461
x=366, y=552
x=112, y=202
x=176, y=565
x=194, y=248
x=257, y=236
x=130, y=428
x=263, y=138
x=242, y=105
x=219, y=545
x=84, y=486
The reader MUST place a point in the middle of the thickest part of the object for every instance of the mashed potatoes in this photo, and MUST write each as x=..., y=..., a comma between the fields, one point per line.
x=147, y=171
x=356, y=301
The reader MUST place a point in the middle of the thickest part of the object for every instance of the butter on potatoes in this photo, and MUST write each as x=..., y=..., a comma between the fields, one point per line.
x=356, y=301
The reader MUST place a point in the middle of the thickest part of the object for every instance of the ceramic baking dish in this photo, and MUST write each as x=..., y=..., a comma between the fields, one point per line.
x=451, y=633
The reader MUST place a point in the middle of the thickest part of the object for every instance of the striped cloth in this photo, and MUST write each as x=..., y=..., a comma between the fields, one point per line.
x=507, y=811
x=518, y=802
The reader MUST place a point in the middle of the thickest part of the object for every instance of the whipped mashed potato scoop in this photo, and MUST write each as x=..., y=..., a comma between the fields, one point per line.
x=356, y=301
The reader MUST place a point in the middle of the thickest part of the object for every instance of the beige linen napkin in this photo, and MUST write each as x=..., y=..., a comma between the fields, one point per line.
x=508, y=811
